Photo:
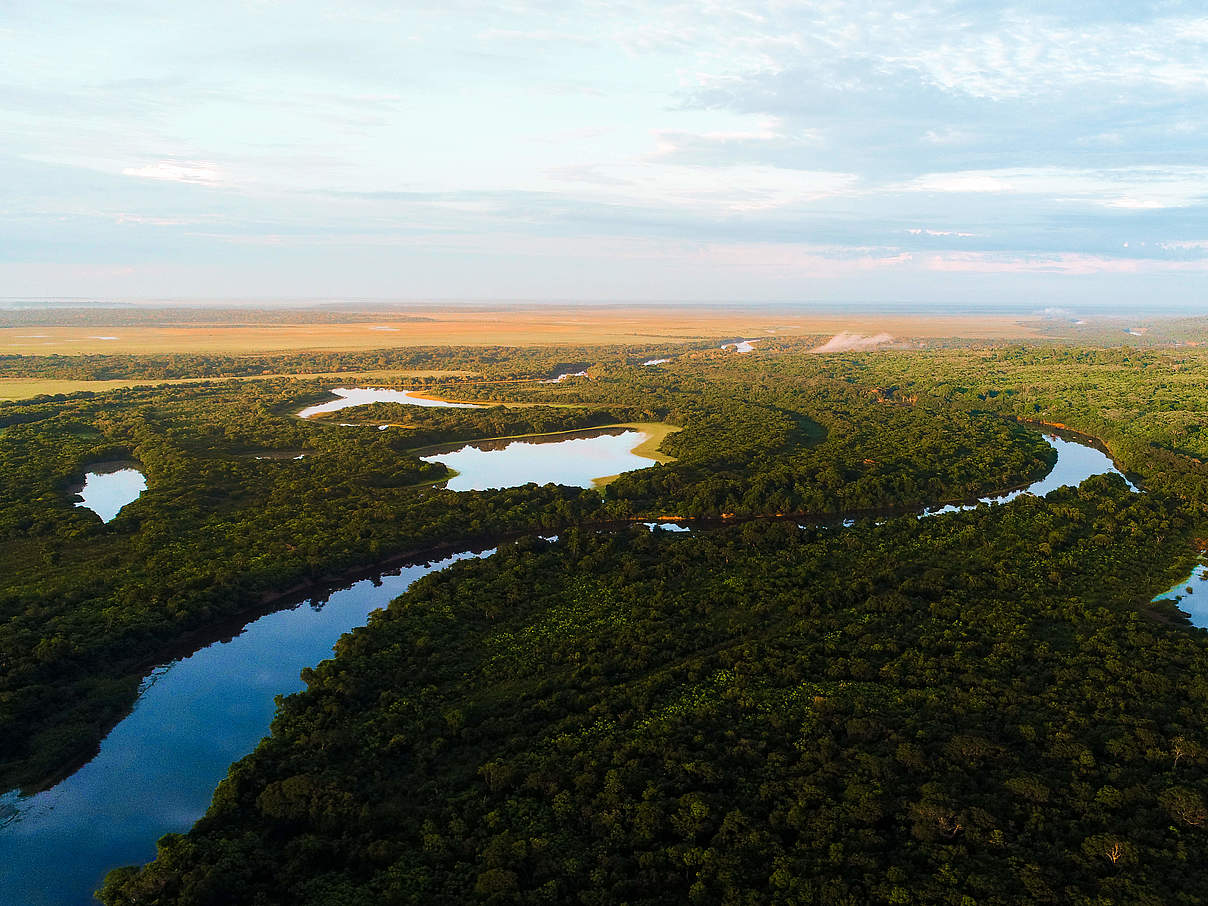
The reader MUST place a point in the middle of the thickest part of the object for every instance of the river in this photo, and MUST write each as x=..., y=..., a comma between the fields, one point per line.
x=157, y=769
x=363, y=396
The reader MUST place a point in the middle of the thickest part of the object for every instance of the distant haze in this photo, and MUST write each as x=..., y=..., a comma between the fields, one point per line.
x=852, y=342
x=950, y=153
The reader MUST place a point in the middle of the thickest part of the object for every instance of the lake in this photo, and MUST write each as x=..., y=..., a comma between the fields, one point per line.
x=110, y=486
x=572, y=461
x=157, y=770
x=363, y=396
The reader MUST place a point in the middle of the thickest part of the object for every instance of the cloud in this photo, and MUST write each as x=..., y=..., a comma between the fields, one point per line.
x=853, y=342
x=923, y=231
x=1138, y=188
x=1057, y=264
x=197, y=173
x=857, y=144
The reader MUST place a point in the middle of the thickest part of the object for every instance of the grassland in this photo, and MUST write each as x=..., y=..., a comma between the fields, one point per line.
x=477, y=325
x=28, y=388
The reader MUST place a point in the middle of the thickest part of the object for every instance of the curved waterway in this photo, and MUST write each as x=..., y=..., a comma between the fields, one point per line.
x=363, y=396
x=1191, y=595
x=157, y=770
x=1076, y=462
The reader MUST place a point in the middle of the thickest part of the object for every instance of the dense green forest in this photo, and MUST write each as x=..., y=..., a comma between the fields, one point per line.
x=928, y=711
x=86, y=607
x=979, y=699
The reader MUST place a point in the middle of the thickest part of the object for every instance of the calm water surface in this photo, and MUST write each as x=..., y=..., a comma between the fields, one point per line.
x=362, y=396
x=158, y=768
x=107, y=490
x=574, y=462
x=1195, y=602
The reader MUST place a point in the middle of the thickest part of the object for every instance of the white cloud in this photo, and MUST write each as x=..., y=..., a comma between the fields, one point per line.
x=1126, y=187
x=198, y=173
x=922, y=231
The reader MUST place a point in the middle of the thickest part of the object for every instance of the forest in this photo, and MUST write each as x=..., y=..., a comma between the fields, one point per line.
x=980, y=709
x=920, y=712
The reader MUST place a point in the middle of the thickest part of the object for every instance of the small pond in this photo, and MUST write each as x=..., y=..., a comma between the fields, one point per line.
x=110, y=486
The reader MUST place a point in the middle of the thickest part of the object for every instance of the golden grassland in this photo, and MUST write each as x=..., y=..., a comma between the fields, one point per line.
x=500, y=326
x=28, y=388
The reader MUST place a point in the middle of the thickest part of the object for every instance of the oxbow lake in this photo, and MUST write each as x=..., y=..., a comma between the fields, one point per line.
x=573, y=461
x=363, y=396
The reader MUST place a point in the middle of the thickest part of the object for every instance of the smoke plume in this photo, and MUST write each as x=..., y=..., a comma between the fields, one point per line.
x=853, y=342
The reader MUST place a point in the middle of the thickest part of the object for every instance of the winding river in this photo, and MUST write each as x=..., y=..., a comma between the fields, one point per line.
x=157, y=769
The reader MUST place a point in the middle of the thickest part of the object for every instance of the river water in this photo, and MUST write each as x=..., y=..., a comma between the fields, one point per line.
x=1191, y=595
x=1076, y=462
x=157, y=769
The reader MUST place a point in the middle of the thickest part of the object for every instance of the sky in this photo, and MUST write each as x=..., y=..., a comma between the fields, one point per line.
x=950, y=153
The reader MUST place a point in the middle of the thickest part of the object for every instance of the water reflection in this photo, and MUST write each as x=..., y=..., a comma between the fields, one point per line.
x=1076, y=462
x=363, y=396
x=1191, y=595
x=157, y=770
x=574, y=461
x=109, y=487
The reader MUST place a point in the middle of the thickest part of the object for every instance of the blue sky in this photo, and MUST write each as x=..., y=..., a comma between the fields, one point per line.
x=948, y=152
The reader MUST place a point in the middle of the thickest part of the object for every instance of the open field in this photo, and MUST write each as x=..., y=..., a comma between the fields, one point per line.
x=28, y=388
x=527, y=326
